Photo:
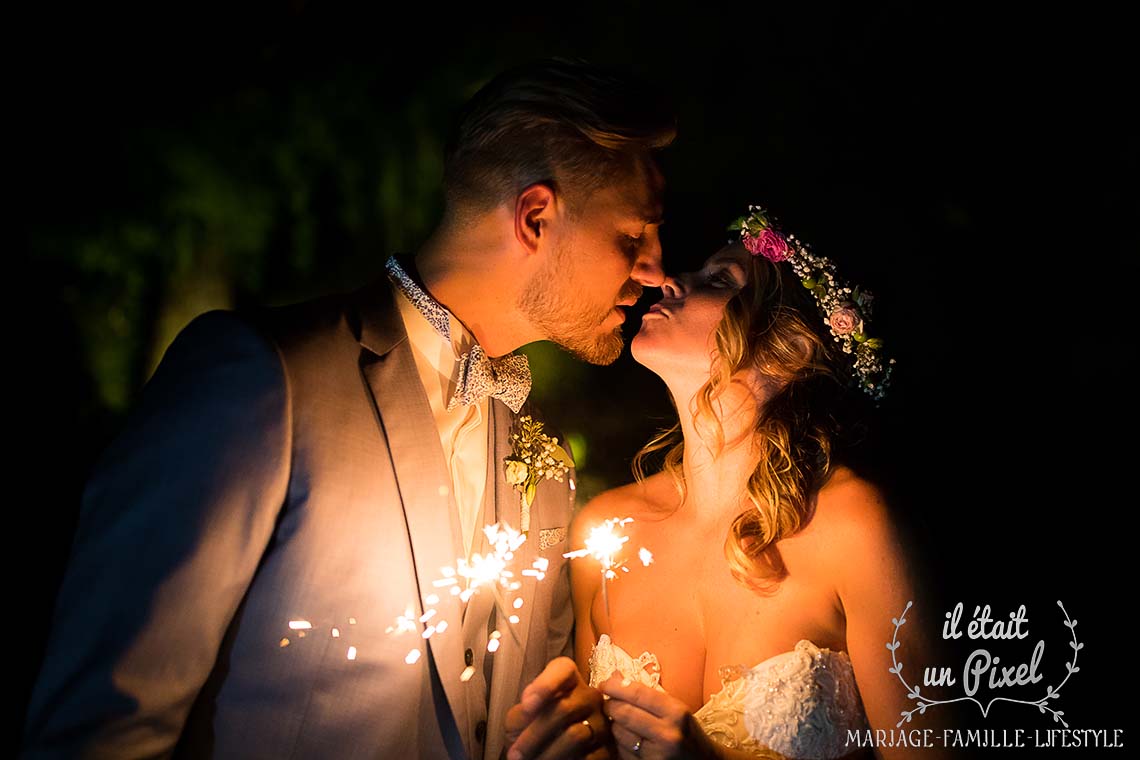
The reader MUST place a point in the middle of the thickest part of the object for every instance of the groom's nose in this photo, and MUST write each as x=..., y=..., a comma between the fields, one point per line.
x=647, y=267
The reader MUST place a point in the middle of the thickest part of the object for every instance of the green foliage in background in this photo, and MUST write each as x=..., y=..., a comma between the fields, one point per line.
x=272, y=195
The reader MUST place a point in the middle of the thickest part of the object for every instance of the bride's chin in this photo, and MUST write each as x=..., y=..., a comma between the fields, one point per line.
x=642, y=350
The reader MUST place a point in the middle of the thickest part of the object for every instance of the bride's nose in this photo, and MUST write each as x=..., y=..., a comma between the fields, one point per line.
x=673, y=288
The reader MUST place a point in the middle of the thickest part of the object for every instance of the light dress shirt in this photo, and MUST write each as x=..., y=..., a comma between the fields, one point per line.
x=463, y=431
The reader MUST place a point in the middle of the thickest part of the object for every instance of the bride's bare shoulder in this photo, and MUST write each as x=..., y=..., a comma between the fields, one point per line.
x=850, y=510
x=852, y=520
x=652, y=496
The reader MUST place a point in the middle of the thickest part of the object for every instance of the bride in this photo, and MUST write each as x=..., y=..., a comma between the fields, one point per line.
x=760, y=627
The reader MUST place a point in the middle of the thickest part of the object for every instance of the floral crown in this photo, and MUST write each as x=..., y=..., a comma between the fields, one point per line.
x=845, y=309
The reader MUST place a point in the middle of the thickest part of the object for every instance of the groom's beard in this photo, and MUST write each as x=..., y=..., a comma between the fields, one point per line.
x=564, y=319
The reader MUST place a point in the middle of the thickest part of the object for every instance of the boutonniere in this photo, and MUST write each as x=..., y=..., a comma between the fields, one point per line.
x=534, y=457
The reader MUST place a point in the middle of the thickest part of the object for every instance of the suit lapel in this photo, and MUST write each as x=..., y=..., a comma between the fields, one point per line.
x=479, y=607
x=509, y=659
x=417, y=458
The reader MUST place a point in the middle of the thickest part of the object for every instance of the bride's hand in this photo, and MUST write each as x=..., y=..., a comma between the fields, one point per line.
x=652, y=725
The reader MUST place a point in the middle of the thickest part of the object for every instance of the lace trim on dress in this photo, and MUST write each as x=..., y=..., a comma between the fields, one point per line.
x=800, y=704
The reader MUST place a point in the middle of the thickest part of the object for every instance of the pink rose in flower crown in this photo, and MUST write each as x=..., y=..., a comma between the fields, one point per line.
x=845, y=320
x=768, y=244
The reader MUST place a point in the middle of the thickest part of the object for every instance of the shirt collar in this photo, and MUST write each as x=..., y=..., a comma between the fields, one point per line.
x=432, y=330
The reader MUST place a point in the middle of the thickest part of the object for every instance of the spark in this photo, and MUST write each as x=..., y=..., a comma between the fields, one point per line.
x=336, y=633
x=284, y=643
x=405, y=622
x=518, y=603
x=538, y=568
x=300, y=625
x=413, y=657
x=352, y=653
x=467, y=673
x=602, y=544
x=645, y=555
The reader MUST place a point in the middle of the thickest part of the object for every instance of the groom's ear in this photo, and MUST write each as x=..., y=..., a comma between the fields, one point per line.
x=534, y=210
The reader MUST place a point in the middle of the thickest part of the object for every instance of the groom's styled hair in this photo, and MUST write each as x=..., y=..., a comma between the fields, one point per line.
x=573, y=124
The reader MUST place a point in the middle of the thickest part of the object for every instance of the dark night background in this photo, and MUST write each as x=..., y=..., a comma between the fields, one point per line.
x=977, y=173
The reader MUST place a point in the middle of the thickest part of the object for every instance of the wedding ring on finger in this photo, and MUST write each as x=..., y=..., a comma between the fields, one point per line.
x=636, y=748
x=593, y=736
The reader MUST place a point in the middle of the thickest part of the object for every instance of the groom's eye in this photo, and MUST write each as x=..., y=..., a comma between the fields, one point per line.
x=631, y=243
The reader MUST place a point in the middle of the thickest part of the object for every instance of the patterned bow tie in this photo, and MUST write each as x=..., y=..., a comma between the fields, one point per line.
x=506, y=378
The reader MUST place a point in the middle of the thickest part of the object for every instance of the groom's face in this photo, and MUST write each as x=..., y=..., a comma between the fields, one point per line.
x=597, y=266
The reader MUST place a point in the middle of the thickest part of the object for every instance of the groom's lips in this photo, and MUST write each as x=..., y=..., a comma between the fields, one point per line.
x=658, y=309
x=622, y=307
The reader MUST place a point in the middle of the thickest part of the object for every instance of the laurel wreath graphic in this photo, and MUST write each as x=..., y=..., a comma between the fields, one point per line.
x=922, y=703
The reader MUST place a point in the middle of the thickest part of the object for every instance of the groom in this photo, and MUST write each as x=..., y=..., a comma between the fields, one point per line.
x=293, y=479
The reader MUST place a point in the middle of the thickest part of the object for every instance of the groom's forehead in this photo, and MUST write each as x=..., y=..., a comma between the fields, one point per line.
x=643, y=195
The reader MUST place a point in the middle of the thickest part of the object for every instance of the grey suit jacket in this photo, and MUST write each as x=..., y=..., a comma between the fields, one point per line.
x=282, y=465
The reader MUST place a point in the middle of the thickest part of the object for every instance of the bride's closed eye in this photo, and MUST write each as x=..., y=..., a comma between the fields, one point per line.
x=722, y=278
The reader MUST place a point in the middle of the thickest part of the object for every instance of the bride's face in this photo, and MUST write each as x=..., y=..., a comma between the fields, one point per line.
x=677, y=333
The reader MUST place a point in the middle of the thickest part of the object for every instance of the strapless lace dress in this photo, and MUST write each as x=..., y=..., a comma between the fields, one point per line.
x=800, y=704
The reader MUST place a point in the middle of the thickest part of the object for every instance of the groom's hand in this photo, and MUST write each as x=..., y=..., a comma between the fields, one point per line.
x=558, y=716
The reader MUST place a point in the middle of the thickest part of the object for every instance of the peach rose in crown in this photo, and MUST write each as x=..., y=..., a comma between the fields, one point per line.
x=845, y=320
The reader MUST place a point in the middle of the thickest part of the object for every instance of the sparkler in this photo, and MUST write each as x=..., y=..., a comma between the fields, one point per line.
x=603, y=545
x=489, y=572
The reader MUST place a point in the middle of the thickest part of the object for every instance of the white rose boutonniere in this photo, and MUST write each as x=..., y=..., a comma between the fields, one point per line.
x=534, y=457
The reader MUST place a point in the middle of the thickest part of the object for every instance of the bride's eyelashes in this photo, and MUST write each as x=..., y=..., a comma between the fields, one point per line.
x=722, y=278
